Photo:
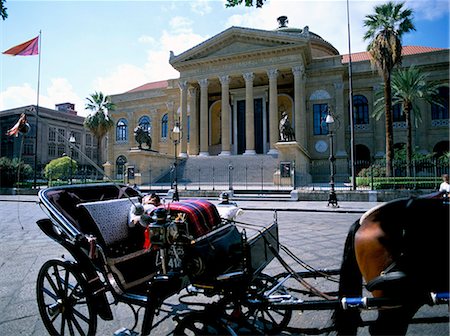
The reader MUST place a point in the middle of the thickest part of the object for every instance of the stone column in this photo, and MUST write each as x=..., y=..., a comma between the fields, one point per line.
x=183, y=121
x=273, y=111
x=193, y=132
x=226, y=142
x=204, y=148
x=249, y=115
x=170, y=123
x=339, y=112
x=300, y=105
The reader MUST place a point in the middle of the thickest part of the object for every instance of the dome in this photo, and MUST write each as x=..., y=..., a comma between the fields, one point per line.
x=319, y=46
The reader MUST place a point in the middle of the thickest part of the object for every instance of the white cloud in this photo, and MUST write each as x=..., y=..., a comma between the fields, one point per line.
x=59, y=91
x=201, y=7
x=146, y=39
x=126, y=76
x=17, y=96
x=180, y=24
x=429, y=10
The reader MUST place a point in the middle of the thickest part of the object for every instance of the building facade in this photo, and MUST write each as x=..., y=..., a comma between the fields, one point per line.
x=53, y=129
x=234, y=88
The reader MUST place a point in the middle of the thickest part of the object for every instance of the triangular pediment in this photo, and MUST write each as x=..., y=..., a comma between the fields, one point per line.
x=237, y=40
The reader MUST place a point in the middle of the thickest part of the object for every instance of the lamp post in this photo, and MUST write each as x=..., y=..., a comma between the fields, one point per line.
x=176, y=137
x=72, y=142
x=332, y=199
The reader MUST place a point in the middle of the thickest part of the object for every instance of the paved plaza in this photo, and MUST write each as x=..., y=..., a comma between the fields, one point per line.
x=312, y=231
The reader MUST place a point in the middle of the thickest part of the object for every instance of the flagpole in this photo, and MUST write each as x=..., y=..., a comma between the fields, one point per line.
x=350, y=93
x=37, y=111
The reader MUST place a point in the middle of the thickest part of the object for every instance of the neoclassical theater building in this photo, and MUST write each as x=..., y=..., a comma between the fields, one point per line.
x=234, y=88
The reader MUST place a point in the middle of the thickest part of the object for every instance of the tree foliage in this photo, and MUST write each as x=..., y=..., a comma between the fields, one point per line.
x=385, y=29
x=12, y=171
x=3, y=12
x=99, y=122
x=60, y=168
x=247, y=3
x=409, y=86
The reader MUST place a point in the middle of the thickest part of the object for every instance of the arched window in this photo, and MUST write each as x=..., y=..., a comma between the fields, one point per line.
x=320, y=112
x=361, y=110
x=120, y=166
x=122, y=130
x=146, y=123
x=397, y=113
x=164, y=126
x=440, y=112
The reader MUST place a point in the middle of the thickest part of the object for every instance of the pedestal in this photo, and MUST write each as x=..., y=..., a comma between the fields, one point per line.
x=291, y=151
x=147, y=164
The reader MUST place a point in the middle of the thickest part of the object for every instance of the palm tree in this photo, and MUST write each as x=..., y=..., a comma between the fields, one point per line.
x=409, y=86
x=385, y=30
x=99, y=122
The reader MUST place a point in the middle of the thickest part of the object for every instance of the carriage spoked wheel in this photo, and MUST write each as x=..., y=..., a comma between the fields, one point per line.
x=201, y=323
x=64, y=304
x=264, y=319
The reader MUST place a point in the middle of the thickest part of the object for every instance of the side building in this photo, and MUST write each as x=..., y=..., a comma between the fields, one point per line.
x=54, y=128
x=235, y=87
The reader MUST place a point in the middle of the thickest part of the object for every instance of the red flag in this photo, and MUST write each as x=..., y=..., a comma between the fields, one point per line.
x=28, y=48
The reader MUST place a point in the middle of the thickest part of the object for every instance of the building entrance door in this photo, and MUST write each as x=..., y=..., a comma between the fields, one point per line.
x=259, y=133
x=240, y=126
x=257, y=122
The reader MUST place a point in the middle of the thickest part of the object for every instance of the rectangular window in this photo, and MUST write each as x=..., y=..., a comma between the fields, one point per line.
x=88, y=140
x=51, y=150
x=319, y=115
x=61, y=134
x=61, y=150
x=51, y=134
x=28, y=148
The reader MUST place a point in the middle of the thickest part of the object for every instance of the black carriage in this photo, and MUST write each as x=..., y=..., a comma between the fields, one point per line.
x=188, y=248
x=192, y=245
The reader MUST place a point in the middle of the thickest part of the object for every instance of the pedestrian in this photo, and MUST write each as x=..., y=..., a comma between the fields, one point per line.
x=445, y=186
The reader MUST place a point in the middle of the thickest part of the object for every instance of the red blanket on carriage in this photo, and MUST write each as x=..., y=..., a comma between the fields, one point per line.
x=202, y=216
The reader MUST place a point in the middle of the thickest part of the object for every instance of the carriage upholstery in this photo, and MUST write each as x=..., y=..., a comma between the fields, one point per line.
x=122, y=244
x=201, y=216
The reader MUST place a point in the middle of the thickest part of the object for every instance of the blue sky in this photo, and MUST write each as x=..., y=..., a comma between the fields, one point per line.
x=114, y=46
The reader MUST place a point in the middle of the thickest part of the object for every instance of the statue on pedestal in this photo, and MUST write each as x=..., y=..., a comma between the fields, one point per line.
x=142, y=136
x=286, y=130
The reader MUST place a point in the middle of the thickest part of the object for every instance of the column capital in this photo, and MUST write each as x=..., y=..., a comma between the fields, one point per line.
x=248, y=76
x=203, y=82
x=182, y=85
x=298, y=70
x=192, y=91
x=272, y=73
x=224, y=80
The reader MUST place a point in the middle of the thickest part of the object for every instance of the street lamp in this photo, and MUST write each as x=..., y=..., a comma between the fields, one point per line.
x=72, y=142
x=176, y=137
x=332, y=199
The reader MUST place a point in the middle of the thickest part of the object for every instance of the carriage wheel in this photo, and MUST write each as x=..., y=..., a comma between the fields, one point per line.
x=201, y=323
x=62, y=298
x=266, y=319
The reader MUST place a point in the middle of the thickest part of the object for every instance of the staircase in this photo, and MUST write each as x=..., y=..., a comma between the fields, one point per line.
x=244, y=171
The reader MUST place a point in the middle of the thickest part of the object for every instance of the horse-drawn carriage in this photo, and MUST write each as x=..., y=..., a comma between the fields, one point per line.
x=188, y=248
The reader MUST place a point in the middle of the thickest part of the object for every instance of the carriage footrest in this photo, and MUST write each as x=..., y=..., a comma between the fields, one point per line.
x=125, y=332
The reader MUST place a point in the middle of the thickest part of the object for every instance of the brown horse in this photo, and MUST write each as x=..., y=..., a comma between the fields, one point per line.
x=401, y=249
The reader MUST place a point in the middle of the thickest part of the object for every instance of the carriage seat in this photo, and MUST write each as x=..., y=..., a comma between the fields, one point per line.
x=110, y=218
x=123, y=246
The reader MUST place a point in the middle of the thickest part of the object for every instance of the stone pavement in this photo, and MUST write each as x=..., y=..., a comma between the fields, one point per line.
x=313, y=232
